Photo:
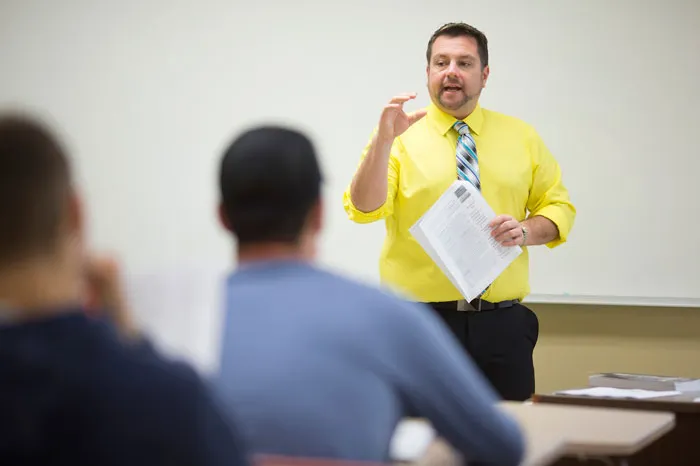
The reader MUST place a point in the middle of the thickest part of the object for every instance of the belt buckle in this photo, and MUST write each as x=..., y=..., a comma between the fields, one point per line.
x=465, y=306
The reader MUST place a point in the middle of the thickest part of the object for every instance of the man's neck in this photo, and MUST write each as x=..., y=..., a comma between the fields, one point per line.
x=38, y=288
x=464, y=112
x=262, y=252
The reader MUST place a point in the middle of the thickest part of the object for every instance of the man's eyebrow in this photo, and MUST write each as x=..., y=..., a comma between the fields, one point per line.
x=467, y=56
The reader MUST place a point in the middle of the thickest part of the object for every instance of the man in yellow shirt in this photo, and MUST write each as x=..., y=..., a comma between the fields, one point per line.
x=412, y=158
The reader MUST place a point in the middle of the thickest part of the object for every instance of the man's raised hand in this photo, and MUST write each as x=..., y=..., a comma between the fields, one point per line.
x=394, y=121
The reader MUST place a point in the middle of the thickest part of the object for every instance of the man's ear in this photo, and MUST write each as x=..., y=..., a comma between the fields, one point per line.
x=75, y=218
x=316, y=217
x=223, y=218
x=485, y=75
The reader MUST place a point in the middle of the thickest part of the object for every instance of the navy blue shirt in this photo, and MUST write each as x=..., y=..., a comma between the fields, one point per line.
x=316, y=365
x=71, y=392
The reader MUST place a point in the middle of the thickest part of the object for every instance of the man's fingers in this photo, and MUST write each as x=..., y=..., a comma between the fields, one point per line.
x=508, y=225
x=402, y=98
x=103, y=279
x=507, y=239
x=102, y=269
x=504, y=237
x=417, y=115
x=510, y=237
x=391, y=108
x=499, y=220
x=507, y=231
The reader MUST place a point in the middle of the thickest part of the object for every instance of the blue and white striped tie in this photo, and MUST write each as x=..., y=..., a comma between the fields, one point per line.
x=467, y=161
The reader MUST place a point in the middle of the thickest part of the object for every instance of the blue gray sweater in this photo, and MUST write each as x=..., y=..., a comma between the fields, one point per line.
x=316, y=365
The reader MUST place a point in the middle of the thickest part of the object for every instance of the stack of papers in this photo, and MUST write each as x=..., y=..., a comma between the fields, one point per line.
x=610, y=392
x=455, y=233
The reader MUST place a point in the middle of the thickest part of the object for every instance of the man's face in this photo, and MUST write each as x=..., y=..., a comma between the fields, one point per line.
x=455, y=75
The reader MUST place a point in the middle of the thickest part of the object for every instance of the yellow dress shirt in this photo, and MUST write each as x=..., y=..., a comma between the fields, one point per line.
x=518, y=175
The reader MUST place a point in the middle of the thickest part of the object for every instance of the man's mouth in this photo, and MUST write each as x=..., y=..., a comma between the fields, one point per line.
x=451, y=88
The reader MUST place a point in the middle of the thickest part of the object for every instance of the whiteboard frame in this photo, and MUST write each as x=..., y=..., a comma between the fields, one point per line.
x=612, y=300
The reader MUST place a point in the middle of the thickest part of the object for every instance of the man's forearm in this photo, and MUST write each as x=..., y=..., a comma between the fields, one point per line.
x=429, y=349
x=369, y=187
x=540, y=230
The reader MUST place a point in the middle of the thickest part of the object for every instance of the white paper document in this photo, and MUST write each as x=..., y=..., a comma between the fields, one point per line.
x=455, y=233
x=609, y=392
x=411, y=440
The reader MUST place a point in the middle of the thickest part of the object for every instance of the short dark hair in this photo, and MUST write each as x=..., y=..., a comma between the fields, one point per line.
x=269, y=181
x=457, y=30
x=35, y=183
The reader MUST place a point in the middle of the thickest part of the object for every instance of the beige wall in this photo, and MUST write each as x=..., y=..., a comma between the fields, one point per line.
x=578, y=340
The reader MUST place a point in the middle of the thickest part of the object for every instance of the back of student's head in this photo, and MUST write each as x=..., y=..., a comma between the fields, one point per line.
x=35, y=188
x=270, y=187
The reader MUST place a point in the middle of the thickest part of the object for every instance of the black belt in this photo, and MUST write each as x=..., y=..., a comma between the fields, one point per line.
x=475, y=305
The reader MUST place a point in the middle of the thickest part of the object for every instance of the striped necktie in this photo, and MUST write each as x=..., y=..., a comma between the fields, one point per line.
x=467, y=161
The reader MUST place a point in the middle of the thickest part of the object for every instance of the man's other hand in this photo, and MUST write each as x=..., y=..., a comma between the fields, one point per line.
x=507, y=230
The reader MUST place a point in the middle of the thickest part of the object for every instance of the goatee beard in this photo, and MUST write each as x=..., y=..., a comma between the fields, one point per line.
x=463, y=101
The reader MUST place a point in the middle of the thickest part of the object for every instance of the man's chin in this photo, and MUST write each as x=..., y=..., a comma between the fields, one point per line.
x=453, y=104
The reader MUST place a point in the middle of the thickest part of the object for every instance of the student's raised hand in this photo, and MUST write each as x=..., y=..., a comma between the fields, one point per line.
x=105, y=293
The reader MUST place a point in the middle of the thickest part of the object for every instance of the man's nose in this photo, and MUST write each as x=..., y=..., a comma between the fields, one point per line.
x=452, y=69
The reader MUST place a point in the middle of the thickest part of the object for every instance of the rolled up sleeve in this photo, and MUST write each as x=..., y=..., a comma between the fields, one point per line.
x=549, y=197
x=387, y=208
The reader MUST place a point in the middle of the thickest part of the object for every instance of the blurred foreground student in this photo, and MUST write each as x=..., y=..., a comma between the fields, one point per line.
x=316, y=365
x=74, y=389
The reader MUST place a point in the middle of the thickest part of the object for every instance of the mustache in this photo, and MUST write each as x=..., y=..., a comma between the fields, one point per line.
x=451, y=83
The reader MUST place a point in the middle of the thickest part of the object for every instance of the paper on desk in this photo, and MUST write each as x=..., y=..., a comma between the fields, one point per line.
x=182, y=309
x=609, y=392
x=411, y=440
x=455, y=234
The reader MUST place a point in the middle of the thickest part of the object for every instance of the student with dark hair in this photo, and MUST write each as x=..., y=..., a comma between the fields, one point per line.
x=79, y=385
x=315, y=365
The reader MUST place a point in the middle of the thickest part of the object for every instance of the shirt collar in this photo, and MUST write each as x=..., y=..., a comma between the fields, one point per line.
x=443, y=122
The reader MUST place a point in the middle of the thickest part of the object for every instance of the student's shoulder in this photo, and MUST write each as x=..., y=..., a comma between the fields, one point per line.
x=382, y=301
x=166, y=398
x=141, y=373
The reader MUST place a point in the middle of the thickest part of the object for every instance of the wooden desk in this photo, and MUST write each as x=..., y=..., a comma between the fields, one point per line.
x=679, y=447
x=543, y=448
x=554, y=432
x=594, y=432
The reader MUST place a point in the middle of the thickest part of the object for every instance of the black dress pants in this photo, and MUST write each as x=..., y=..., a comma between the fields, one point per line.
x=501, y=343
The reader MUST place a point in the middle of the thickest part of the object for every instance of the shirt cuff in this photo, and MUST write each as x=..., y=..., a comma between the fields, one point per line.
x=561, y=218
x=358, y=216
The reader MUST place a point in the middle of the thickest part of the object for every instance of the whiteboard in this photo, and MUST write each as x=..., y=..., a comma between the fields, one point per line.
x=148, y=94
